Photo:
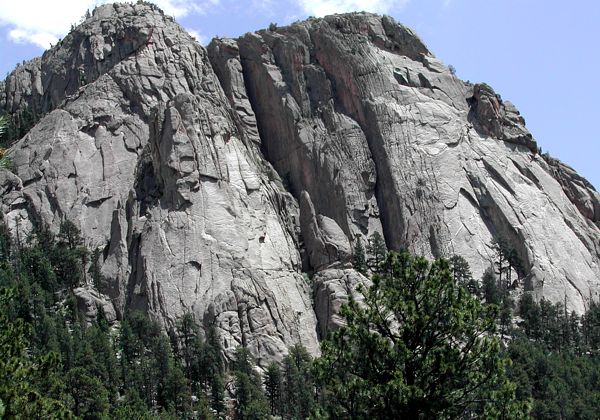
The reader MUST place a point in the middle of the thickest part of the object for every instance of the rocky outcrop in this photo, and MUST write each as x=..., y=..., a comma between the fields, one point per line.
x=234, y=182
x=144, y=154
x=354, y=110
x=495, y=118
x=89, y=302
x=577, y=189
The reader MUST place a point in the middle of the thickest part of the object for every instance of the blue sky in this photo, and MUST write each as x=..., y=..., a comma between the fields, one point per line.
x=542, y=55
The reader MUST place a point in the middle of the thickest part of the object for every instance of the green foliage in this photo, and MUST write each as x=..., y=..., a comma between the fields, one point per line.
x=273, y=386
x=14, y=127
x=5, y=160
x=18, y=394
x=359, y=259
x=419, y=346
x=202, y=363
x=506, y=261
x=376, y=251
x=298, y=383
x=561, y=384
x=591, y=327
x=3, y=126
x=530, y=314
x=461, y=272
x=96, y=276
x=57, y=362
x=90, y=399
x=251, y=403
x=492, y=294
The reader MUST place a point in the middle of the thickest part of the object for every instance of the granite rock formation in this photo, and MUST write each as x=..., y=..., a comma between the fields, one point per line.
x=234, y=181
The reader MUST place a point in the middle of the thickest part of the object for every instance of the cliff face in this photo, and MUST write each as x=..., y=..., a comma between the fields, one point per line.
x=212, y=179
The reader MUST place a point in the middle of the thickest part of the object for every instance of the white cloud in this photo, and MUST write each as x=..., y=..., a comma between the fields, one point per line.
x=42, y=39
x=327, y=7
x=203, y=40
x=43, y=22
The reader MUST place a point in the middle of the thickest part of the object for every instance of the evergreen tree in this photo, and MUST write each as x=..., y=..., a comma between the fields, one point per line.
x=214, y=369
x=575, y=331
x=506, y=261
x=131, y=406
x=3, y=127
x=90, y=399
x=530, y=314
x=491, y=292
x=171, y=386
x=103, y=359
x=38, y=268
x=419, y=347
x=188, y=329
x=506, y=311
x=462, y=274
x=376, y=250
x=94, y=271
x=562, y=385
x=18, y=395
x=137, y=339
x=273, y=385
x=250, y=399
x=359, y=261
x=298, y=383
x=592, y=326
x=501, y=250
x=101, y=319
x=69, y=256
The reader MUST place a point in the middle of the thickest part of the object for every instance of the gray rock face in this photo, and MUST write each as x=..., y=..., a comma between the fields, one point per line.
x=146, y=157
x=495, y=118
x=354, y=110
x=213, y=179
x=89, y=301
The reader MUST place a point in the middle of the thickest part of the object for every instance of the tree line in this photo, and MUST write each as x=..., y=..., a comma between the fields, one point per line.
x=427, y=341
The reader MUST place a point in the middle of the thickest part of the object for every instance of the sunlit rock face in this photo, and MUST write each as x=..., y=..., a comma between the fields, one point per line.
x=377, y=134
x=234, y=181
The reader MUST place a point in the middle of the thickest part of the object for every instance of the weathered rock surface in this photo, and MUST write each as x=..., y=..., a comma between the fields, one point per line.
x=89, y=301
x=211, y=180
x=354, y=110
x=146, y=157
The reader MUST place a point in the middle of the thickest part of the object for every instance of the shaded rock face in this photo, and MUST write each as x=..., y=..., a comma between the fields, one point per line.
x=234, y=181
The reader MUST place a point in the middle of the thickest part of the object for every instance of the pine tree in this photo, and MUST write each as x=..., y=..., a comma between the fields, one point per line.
x=376, y=251
x=359, y=259
x=273, y=385
x=530, y=314
x=18, y=394
x=418, y=346
x=462, y=274
x=491, y=291
x=188, y=329
x=298, y=383
x=90, y=399
x=214, y=369
x=251, y=403
x=94, y=271
x=69, y=256
x=500, y=248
